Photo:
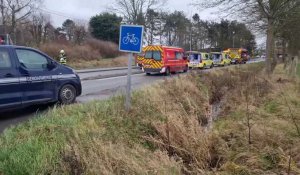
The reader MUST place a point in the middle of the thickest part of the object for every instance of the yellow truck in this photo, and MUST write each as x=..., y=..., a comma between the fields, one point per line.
x=237, y=55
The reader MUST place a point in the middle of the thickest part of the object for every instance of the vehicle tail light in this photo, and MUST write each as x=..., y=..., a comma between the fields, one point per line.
x=200, y=61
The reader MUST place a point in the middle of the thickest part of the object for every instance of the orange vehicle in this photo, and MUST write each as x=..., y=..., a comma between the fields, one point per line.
x=164, y=59
x=139, y=58
x=237, y=55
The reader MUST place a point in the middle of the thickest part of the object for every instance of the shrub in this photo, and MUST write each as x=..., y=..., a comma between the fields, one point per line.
x=92, y=49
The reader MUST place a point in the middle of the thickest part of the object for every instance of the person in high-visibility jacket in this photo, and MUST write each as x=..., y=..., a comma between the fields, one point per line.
x=62, y=57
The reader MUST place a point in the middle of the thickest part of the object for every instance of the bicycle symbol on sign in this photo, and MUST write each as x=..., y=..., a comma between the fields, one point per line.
x=130, y=39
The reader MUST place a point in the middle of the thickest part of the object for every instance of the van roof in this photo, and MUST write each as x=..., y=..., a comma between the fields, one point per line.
x=21, y=47
x=166, y=47
x=14, y=47
x=171, y=47
x=7, y=46
x=192, y=52
x=242, y=49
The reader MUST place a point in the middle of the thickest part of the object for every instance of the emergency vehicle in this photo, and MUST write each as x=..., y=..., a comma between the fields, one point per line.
x=139, y=58
x=164, y=59
x=199, y=60
x=237, y=55
x=29, y=77
x=5, y=39
x=220, y=59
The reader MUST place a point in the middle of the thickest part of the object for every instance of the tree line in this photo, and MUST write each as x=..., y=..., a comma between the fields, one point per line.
x=28, y=25
x=279, y=20
x=176, y=29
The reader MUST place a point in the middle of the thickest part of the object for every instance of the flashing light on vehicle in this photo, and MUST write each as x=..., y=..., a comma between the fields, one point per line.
x=5, y=39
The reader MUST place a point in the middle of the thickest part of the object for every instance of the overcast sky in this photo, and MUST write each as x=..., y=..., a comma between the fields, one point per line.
x=82, y=10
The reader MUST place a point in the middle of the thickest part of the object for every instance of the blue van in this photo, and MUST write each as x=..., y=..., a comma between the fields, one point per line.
x=29, y=77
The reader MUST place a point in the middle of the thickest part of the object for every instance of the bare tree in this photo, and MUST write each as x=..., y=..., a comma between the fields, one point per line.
x=151, y=24
x=38, y=26
x=3, y=10
x=264, y=15
x=80, y=34
x=69, y=27
x=16, y=12
x=134, y=11
x=175, y=28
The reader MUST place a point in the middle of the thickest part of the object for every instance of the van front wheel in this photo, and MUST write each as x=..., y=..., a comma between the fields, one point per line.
x=167, y=72
x=67, y=94
x=186, y=69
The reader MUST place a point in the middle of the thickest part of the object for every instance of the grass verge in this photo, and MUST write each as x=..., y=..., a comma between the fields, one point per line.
x=298, y=70
x=99, y=63
x=91, y=54
x=229, y=121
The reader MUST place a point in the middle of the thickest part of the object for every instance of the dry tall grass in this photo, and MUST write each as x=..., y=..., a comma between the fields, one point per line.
x=168, y=130
x=90, y=50
x=274, y=136
x=120, y=61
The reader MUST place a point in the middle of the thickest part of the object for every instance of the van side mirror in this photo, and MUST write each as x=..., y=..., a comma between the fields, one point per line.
x=51, y=65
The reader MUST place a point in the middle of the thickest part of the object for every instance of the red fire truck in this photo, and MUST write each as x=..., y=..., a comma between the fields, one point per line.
x=164, y=59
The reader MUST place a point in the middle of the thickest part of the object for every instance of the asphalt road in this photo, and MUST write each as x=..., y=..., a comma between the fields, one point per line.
x=104, y=88
x=106, y=74
x=95, y=87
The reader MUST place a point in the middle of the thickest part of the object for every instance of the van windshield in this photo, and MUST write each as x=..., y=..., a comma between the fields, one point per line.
x=194, y=57
x=216, y=56
x=156, y=55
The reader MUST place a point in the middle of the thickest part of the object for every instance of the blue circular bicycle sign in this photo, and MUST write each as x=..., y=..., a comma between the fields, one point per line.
x=131, y=38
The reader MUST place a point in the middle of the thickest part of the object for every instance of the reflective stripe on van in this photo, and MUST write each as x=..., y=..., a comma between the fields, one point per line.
x=36, y=79
x=9, y=81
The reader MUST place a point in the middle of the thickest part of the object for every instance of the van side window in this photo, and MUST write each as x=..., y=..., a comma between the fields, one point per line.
x=156, y=55
x=178, y=55
x=31, y=59
x=5, y=61
x=170, y=54
x=206, y=56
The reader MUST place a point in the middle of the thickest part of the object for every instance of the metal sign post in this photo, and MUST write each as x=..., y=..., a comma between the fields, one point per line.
x=131, y=40
x=128, y=88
